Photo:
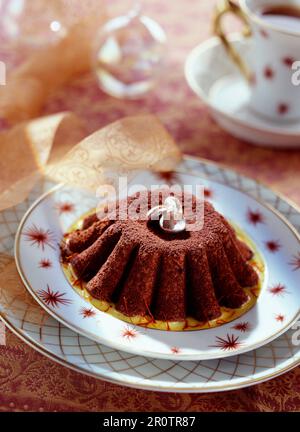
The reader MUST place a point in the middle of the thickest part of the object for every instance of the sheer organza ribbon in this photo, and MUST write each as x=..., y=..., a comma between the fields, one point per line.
x=54, y=146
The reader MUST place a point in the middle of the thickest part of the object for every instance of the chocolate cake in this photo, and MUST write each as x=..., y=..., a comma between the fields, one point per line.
x=144, y=270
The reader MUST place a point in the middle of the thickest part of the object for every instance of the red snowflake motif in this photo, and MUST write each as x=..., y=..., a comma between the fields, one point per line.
x=255, y=217
x=242, y=326
x=208, y=193
x=40, y=237
x=53, y=298
x=273, y=246
x=280, y=318
x=229, y=344
x=175, y=350
x=282, y=108
x=296, y=262
x=45, y=263
x=129, y=333
x=268, y=72
x=87, y=312
x=65, y=207
x=253, y=79
x=278, y=290
x=288, y=61
x=263, y=33
x=170, y=177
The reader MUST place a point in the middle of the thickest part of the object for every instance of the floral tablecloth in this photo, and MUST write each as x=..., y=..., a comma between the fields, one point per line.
x=31, y=382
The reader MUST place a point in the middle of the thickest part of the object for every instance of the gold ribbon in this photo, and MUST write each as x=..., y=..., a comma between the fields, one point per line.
x=47, y=146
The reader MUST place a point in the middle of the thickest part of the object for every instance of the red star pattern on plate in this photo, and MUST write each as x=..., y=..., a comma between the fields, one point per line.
x=263, y=33
x=45, y=263
x=169, y=177
x=255, y=217
x=129, y=333
x=242, y=326
x=282, y=108
x=273, y=245
x=53, y=298
x=40, y=237
x=278, y=290
x=268, y=72
x=296, y=262
x=229, y=344
x=175, y=350
x=288, y=61
x=87, y=312
x=208, y=193
x=280, y=317
x=65, y=207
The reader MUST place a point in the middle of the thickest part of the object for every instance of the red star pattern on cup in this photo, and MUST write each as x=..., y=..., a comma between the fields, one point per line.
x=282, y=108
x=288, y=61
x=269, y=72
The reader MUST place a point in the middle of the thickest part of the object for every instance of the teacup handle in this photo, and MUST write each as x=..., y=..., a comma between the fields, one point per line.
x=224, y=7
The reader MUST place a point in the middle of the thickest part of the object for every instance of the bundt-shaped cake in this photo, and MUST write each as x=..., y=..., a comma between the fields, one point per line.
x=144, y=270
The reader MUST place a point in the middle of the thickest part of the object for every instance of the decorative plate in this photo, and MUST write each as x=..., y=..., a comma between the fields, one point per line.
x=277, y=308
x=31, y=323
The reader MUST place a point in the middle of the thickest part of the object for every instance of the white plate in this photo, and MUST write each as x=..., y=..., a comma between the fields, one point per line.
x=42, y=332
x=216, y=80
x=276, y=310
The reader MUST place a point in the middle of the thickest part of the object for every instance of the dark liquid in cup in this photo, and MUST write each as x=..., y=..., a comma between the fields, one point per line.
x=283, y=16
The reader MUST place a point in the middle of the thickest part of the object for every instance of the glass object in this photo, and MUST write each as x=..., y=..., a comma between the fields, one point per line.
x=128, y=54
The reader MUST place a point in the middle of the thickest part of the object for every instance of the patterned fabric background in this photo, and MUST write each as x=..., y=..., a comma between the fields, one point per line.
x=29, y=381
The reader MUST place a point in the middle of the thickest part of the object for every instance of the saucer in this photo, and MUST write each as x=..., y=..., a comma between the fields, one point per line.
x=37, y=257
x=216, y=80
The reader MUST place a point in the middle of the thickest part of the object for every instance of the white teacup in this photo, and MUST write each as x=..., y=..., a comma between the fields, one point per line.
x=274, y=62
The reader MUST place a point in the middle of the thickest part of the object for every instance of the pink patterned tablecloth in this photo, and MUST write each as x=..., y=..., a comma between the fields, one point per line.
x=29, y=381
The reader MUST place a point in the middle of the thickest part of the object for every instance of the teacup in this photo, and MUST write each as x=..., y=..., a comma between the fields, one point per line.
x=274, y=61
